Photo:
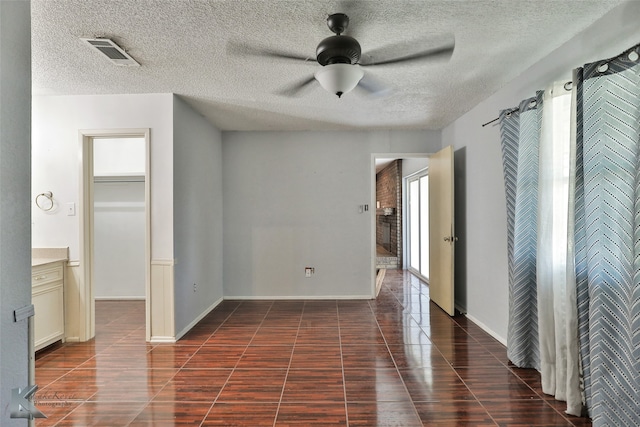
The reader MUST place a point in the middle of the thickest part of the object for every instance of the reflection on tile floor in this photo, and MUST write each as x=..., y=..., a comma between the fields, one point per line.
x=395, y=361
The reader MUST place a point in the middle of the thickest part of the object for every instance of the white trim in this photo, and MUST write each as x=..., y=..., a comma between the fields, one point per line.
x=163, y=262
x=487, y=329
x=373, y=223
x=199, y=318
x=147, y=246
x=72, y=339
x=162, y=340
x=298, y=297
x=118, y=298
x=85, y=262
x=86, y=309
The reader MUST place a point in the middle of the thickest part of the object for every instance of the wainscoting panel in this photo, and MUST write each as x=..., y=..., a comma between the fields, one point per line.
x=162, y=302
x=72, y=283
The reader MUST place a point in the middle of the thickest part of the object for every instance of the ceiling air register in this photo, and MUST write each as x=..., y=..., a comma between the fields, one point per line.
x=112, y=51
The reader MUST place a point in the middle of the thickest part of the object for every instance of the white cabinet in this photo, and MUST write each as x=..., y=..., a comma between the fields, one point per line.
x=47, y=292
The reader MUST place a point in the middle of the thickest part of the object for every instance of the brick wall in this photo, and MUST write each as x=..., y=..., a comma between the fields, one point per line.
x=389, y=194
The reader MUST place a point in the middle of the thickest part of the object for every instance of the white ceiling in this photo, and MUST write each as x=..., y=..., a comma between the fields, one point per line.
x=182, y=47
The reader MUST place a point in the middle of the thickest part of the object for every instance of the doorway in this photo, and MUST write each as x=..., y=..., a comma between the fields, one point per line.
x=389, y=250
x=115, y=222
x=389, y=224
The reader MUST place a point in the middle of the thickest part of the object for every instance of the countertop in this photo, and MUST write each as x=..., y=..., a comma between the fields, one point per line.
x=36, y=262
x=43, y=256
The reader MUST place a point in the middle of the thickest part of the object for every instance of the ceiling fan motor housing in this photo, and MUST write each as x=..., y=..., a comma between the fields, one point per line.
x=338, y=50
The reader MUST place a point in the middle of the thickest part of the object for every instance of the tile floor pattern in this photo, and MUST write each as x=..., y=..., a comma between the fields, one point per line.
x=395, y=361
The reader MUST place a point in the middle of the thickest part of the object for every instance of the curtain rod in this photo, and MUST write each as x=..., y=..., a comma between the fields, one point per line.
x=510, y=110
x=567, y=85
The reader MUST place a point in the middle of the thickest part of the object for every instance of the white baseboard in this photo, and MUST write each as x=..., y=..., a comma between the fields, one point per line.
x=72, y=339
x=298, y=297
x=488, y=330
x=197, y=319
x=162, y=340
x=116, y=298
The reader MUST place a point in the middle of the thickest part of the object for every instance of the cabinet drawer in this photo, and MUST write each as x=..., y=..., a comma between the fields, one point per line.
x=40, y=276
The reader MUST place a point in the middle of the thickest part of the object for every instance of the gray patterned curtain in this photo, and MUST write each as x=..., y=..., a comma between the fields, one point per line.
x=607, y=236
x=604, y=228
x=520, y=137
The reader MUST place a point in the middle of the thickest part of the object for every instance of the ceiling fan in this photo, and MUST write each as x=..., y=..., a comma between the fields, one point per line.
x=341, y=59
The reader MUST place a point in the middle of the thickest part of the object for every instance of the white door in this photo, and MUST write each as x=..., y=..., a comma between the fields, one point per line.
x=442, y=237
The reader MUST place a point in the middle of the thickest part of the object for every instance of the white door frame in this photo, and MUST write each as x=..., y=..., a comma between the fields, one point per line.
x=86, y=288
x=374, y=218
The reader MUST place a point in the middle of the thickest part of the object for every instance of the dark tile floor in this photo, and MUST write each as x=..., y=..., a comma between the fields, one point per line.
x=395, y=361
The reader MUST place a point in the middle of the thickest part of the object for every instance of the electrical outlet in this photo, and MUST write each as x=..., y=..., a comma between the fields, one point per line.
x=195, y=287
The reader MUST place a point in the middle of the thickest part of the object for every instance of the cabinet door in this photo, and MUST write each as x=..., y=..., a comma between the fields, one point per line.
x=48, y=302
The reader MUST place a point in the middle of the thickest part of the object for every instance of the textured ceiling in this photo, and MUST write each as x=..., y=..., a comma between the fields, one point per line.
x=183, y=48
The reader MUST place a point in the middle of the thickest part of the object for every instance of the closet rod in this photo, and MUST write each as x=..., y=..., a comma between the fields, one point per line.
x=123, y=178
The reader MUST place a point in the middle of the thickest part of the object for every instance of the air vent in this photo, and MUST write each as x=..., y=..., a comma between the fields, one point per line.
x=112, y=51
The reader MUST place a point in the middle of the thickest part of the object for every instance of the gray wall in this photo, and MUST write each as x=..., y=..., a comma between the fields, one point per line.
x=291, y=201
x=197, y=213
x=15, y=217
x=485, y=228
x=119, y=227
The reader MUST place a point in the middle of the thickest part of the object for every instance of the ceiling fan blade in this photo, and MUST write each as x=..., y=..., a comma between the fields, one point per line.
x=297, y=88
x=441, y=51
x=374, y=87
x=241, y=49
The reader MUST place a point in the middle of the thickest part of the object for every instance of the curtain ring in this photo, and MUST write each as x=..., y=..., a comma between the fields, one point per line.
x=602, y=68
x=633, y=56
x=568, y=86
x=533, y=103
x=48, y=195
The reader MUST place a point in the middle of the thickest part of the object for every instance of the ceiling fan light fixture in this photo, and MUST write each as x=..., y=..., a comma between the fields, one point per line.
x=339, y=78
